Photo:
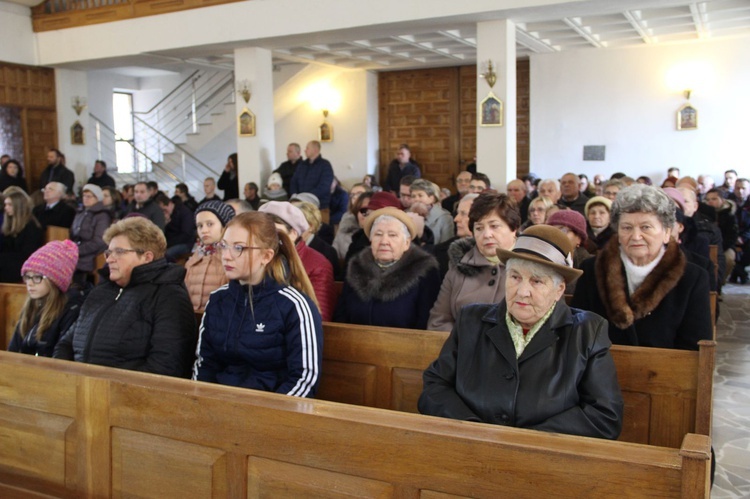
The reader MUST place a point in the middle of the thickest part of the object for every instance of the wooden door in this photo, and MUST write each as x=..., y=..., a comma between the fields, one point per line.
x=435, y=112
x=420, y=108
x=40, y=133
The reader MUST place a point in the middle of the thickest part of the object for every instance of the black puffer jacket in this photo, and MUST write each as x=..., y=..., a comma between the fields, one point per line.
x=87, y=231
x=564, y=381
x=146, y=326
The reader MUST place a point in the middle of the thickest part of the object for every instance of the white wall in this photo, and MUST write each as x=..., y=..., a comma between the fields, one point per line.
x=626, y=100
x=353, y=151
x=17, y=41
x=70, y=84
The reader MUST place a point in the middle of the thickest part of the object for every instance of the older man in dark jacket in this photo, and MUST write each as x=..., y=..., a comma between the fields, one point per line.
x=314, y=175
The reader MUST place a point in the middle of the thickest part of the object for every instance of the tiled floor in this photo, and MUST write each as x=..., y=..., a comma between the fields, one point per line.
x=731, y=427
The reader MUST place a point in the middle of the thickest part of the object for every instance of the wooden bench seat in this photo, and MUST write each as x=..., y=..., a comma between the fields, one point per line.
x=667, y=393
x=74, y=430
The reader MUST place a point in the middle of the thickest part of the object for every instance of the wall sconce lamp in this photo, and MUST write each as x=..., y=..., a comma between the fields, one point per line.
x=78, y=104
x=687, y=94
x=488, y=73
x=243, y=89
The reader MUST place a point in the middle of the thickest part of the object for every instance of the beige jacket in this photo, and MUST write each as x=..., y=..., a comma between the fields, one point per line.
x=471, y=279
x=205, y=274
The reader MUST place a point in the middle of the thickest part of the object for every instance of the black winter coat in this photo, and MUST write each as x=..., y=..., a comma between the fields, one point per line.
x=147, y=326
x=564, y=381
x=670, y=309
x=398, y=296
x=17, y=249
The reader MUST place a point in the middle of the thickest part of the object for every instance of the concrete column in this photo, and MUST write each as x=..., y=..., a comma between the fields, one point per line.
x=78, y=157
x=496, y=146
x=256, y=154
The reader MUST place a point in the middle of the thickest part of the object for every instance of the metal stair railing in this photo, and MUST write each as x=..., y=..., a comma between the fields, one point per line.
x=105, y=148
x=180, y=112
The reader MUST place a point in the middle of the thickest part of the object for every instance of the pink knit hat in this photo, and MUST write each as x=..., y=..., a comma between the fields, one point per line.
x=56, y=261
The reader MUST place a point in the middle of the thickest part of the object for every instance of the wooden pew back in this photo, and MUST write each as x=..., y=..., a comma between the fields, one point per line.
x=12, y=298
x=667, y=393
x=73, y=430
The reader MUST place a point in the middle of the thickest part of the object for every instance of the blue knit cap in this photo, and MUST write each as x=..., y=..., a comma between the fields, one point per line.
x=223, y=211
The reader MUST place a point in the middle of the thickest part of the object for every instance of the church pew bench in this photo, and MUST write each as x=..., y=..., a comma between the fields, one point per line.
x=667, y=393
x=75, y=430
x=12, y=298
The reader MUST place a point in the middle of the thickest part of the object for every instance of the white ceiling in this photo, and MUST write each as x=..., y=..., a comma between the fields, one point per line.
x=594, y=24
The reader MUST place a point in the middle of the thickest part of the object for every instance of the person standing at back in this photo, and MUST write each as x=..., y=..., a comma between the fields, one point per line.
x=314, y=175
x=56, y=171
x=401, y=167
x=100, y=176
x=229, y=182
x=288, y=167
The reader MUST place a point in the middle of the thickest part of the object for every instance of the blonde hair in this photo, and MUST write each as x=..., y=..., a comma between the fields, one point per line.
x=312, y=215
x=261, y=226
x=13, y=225
x=142, y=233
x=47, y=309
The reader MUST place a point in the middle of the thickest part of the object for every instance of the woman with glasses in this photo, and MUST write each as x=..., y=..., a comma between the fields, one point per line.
x=537, y=212
x=359, y=198
x=141, y=318
x=263, y=329
x=52, y=305
x=22, y=234
x=205, y=272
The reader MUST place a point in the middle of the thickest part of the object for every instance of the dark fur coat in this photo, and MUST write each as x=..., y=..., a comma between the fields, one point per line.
x=397, y=296
x=670, y=309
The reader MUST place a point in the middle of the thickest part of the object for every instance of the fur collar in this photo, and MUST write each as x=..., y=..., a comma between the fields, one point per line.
x=370, y=282
x=623, y=310
x=465, y=258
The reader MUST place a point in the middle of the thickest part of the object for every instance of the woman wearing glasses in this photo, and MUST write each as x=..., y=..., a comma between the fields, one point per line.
x=51, y=305
x=141, y=318
x=263, y=329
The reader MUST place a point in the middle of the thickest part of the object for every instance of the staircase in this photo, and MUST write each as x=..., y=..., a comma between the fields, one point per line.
x=167, y=136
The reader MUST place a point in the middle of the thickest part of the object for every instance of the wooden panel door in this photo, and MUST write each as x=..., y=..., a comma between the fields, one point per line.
x=40, y=133
x=420, y=108
x=523, y=121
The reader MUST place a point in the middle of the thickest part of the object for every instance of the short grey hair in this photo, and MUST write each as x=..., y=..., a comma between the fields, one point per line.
x=59, y=187
x=425, y=185
x=550, y=181
x=641, y=198
x=388, y=218
x=615, y=182
x=535, y=269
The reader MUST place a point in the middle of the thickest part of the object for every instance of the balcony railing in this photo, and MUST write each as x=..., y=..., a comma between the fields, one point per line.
x=60, y=14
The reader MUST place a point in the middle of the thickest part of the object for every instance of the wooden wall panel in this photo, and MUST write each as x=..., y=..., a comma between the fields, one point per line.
x=32, y=90
x=440, y=127
x=420, y=108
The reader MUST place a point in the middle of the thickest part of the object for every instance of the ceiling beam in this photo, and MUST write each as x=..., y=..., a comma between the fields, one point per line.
x=531, y=41
x=700, y=19
x=635, y=19
x=584, y=32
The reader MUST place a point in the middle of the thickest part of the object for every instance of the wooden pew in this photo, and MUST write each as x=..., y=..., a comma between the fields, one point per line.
x=55, y=233
x=74, y=430
x=667, y=393
x=12, y=298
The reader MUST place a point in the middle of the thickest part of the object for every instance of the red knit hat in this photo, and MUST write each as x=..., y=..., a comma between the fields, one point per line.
x=383, y=199
x=56, y=261
x=570, y=219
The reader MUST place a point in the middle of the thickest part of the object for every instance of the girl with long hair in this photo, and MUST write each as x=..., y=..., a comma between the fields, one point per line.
x=51, y=305
x=22, y=234
x=263, y=329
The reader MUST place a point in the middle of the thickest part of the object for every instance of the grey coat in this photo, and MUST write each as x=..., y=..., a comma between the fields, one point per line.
x=471, y=279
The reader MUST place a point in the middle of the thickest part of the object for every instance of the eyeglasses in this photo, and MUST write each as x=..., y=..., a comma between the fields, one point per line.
x=120, y=252
x=364, y=211
x=36, y=279
x=235, y=249
x=537, y=210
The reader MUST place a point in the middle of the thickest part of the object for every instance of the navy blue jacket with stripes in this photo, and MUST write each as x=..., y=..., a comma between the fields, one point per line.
x=268, y=337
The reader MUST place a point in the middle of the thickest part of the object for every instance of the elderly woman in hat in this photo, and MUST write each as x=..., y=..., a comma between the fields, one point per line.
x=392, y=283
x=641, y=282
x=529, y=361
x=205, y=272
x=88, y=229
x=597, y=212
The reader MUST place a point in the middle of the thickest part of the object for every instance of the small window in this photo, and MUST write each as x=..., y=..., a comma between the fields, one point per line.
x=122, y=104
